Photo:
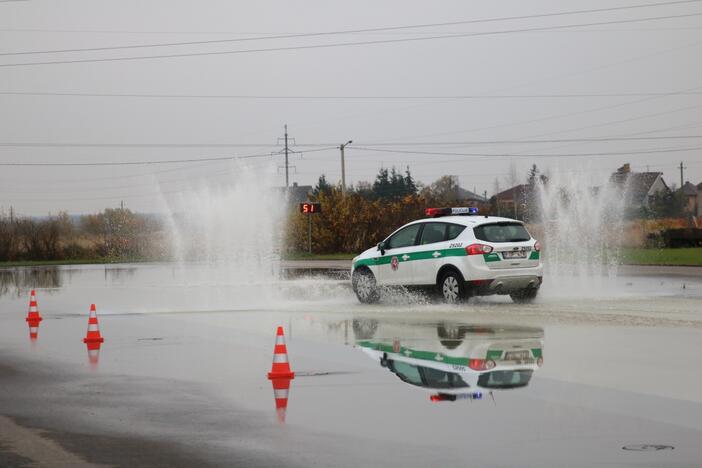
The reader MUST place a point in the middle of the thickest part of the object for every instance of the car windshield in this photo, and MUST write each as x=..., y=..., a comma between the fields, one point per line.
x=505, y=378
x=502, y=232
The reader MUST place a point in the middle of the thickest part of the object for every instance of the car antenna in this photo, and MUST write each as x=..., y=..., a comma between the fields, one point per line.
x=493, y=398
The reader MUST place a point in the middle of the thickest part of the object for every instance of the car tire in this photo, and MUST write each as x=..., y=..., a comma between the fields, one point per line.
x=524, y=296
x=364, y=329
x=365, y=286
x=452, y=287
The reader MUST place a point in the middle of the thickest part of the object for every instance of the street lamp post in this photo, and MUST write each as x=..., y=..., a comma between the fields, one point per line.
x=343, y=167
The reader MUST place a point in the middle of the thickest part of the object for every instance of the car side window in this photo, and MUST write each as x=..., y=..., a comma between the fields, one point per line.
x=454, y=230
x=432, y=233
x=404, y=237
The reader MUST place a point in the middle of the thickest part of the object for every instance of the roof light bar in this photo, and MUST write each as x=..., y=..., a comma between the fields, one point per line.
x=456, y=211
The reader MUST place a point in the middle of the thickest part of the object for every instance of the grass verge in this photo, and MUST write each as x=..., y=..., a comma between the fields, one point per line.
x=665, y=256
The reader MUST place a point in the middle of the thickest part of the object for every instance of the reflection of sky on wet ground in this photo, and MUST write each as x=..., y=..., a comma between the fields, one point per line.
x=611, y=374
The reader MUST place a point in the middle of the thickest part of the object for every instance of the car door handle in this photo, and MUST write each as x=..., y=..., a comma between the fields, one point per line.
x=436, y=254
x=405, y=257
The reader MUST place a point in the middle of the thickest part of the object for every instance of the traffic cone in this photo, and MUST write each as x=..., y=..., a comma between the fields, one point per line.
x=33, y=314
x=280, y=375
x=281, y=367
x=93, y=335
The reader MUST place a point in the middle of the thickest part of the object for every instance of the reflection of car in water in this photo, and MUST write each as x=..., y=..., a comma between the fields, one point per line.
x=463, y=363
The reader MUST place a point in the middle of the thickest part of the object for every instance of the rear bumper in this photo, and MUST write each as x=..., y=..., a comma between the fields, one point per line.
x=503, y=284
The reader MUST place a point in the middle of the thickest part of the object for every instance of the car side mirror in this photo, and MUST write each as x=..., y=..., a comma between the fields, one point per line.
x=381, y=247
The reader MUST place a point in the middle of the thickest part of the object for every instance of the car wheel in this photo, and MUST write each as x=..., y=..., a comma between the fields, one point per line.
x=525, y=295
x=365, y=286
x=452, y=287
x=364, y=329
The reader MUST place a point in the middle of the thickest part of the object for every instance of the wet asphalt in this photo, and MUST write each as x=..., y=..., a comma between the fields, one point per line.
x=181, y=377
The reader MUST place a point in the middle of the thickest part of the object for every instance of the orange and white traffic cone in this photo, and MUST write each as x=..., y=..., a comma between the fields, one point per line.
x=281, y=367
x=93, y=335
x=33, y=313
x=280, y=375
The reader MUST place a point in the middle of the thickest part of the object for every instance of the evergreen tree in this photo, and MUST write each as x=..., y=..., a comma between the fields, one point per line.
x=322, y=186
x=382, y=185
x=397, y=184
x=410, y=184
x=533, y=175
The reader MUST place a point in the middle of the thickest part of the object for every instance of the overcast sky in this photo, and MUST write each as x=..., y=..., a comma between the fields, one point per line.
x=615, y=89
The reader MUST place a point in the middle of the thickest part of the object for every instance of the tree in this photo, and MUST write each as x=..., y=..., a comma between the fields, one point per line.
x=382, y=185
x=512, y=178
x=322, y=186
x=410, y=184
x=443, y=191
x=533, y=176
x=665, y=204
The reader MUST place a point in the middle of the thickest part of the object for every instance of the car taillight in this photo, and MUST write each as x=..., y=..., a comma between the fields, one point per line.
x=537, y=246
x=481, y=364
x=478, y=249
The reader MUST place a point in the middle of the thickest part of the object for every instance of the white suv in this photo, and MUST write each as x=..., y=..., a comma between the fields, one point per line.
x=457, y=252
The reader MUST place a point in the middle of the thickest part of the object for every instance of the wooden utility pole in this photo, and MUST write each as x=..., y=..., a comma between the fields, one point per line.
x=681, y=175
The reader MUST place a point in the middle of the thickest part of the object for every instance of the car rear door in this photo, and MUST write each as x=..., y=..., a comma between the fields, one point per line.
x=429, y=252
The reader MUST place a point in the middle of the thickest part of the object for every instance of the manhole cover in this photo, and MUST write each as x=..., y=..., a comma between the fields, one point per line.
x=647, y=447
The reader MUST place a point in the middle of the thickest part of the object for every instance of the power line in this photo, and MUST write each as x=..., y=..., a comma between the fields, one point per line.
x=148, y=162
x=543, y=155
x=352, y=31
x=266, y=34
x=330, y=145
x=351, y=97
x=131, y=145
x=346, y=44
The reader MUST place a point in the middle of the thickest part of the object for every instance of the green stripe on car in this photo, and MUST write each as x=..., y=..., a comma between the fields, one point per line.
x=423, y=255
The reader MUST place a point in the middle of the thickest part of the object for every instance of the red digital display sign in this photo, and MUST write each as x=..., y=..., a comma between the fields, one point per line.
x=310, y=208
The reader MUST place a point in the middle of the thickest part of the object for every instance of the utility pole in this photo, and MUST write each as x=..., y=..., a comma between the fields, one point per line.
x=343, y=167
x=286, y=150
x=287, y=180
x=681, y=175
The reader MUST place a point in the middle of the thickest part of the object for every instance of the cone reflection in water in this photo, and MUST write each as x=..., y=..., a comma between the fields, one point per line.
x=93, y=335
x=33, y=329
x=93, y=352
x=280, y=375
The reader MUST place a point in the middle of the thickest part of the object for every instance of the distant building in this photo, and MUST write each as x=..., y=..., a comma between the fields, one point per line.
x=638, y=187
x=296, y=193
x=513, y=201
x=469, y=197
x=691, y=195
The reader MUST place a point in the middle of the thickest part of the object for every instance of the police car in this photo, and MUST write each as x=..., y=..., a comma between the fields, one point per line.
x=477, y=358
x=458, y=253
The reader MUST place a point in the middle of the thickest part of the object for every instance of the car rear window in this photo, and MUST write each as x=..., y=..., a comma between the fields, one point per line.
x=505, y=378
x=502, y=232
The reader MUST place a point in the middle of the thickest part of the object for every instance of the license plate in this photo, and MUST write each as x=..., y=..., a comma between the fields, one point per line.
x=515, y=254
x=517, y=355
